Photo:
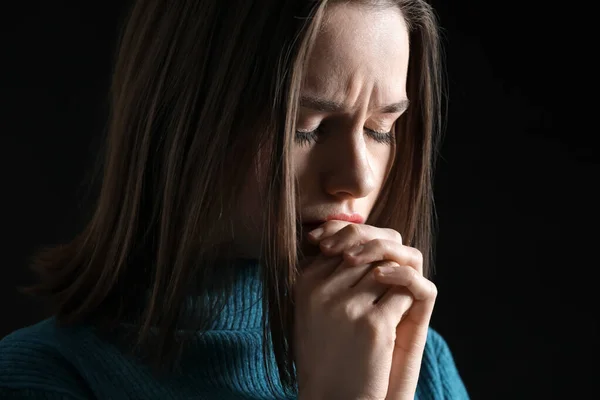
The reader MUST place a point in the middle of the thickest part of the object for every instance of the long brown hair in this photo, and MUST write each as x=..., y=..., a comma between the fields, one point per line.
x=198, y=88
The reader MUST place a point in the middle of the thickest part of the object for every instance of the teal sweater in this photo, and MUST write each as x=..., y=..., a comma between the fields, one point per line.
x=44, y=361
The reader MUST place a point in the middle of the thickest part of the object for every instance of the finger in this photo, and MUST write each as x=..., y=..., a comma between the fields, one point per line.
x=335, y=238
x=395, y=302
x=325, y=230
x=423, y=291
x=368, y=290
x=343, y=278
x=382, y=249
x=355, y=234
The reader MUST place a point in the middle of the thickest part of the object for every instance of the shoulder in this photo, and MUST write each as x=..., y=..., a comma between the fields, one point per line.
x=437, y=354
x=36, y=359
x=436, y=344
x=439, y=377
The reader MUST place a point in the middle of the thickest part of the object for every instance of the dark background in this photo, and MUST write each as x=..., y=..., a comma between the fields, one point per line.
x=516, y=185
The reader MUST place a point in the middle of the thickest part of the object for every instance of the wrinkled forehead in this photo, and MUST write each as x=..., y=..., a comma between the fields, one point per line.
x=359, y=47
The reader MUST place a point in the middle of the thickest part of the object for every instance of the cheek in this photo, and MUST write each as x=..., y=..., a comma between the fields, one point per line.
x=382, y=162
x=301, y=168
x=299, y=159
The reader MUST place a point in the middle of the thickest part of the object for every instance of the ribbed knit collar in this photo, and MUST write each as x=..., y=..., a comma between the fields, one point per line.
x=243, y=308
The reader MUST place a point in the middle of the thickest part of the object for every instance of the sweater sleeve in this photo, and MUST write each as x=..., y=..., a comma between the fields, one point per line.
x=439, y=378
x=32, y=368
x=449, y=377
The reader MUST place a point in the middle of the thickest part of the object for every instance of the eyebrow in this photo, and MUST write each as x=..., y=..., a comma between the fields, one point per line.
x=324, y=105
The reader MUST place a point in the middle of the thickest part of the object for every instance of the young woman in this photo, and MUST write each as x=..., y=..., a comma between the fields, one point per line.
x=263, y=228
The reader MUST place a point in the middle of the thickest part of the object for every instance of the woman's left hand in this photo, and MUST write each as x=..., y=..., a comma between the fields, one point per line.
x=365, y=244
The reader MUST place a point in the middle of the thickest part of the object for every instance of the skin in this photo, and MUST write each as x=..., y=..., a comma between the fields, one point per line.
x=361, y=332
x=341, y=157
x=364, y=72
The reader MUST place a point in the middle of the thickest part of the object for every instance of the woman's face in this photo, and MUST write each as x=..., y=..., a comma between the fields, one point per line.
x=353, y=93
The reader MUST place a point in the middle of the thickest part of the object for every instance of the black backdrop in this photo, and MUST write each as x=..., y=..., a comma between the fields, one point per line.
x=516, y=186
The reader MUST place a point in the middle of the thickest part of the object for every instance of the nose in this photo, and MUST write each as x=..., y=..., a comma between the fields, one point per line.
x=349, y=173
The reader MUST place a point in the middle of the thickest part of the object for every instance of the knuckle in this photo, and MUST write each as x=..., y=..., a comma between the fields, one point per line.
x=433, y=290
x=346, y=311
x=419, y=255
x=378, y=244
x=353, y=229
x=416, y=275
x=395, y=235
x=411, y=274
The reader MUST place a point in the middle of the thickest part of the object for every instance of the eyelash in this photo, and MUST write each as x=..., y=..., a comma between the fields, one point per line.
x=305, y=138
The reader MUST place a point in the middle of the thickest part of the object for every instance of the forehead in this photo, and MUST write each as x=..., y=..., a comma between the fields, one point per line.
x=359, y=48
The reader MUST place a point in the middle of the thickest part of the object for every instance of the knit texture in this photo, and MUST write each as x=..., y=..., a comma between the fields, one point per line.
x=45, y=361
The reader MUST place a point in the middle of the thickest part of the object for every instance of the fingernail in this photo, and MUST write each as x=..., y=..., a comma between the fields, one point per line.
x=382, y=271
x=354, y=251
x=316, y=233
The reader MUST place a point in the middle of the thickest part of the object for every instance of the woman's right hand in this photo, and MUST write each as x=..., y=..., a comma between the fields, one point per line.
x=358, y=335
x=344, y=342
x=346, y=319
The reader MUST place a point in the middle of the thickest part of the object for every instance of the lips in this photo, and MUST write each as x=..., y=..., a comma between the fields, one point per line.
x=356, y=218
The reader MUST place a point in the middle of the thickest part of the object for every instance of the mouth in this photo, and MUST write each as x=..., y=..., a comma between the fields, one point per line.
x=355, y=218
x=310, y=225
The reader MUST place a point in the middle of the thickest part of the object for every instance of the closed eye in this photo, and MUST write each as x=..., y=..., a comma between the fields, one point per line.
x=305, y=138
x=381, y=137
